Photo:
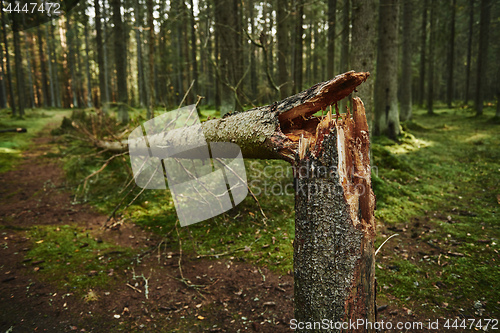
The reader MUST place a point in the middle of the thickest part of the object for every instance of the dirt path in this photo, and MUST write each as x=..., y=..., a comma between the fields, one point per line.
x=236, y=296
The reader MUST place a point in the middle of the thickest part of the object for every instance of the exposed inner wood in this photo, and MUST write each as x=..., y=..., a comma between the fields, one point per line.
x=299, y=123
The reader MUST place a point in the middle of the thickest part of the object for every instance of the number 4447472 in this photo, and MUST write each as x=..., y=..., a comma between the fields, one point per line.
x=471, y=323
x=32, y=7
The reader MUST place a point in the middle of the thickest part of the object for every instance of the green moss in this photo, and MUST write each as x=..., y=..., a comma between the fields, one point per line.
x=72, y=258
x=12, y=144
x=448, y=165
x=453, y=179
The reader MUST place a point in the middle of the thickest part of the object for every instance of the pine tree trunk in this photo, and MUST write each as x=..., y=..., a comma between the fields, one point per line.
x=45, y=88
x=386, y=84
x=345, y=44
x=79, y=68
x=497, y=115
x=51, y=71
x=316, y=55
x=298, y=51
x=3, y=90
x=308, y=47
x=334, y=261
x=19, y=66
x=283, y=12
x=451, y=57
x=178, y=49
x=71, y=61
x=193, y=48
x=107, y=78
x=364, y=49
x=120, y=61
x=100, y=54
x=87, y=67
x=227, y=39
x=330, y=52
x=406, y=82
x=430, y=60
x=253, y=61
x=423, y=48
x=29, y=47
x=9, y=71
x=151, y=42
x=469, y=52
x=344, y=50
x=482, y=63
x=56, y=75
x=138, y=42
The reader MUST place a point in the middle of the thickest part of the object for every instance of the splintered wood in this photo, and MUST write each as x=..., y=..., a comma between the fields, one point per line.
x=353, y=149
x=353, y=146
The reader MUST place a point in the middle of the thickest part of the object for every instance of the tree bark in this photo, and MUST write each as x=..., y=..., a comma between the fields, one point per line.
x=87, y=67
x=344, y=50
x=451, y=57
x=100, y=54
x=151, y=78
x=253, y=60
x=56, y=76
x=334, y=261
x=3, y=89
x=283, y=13
x=469, y=52
x=330, y=51
x=298, y=51
x=51, y=71
x=497, y=114
x=79, y=71
x=226, y=18
x=29, y=47
x=107, y=78
x=345, y=43
x=120, y=61
x=423, y=48
x=177, y=8
x=482, y=63
x=432, y=42
x=9, y=71
x=71, y=61
x=406, y=96
x=45, y=88
x=138, y=41
x=193, y=47
x=364, y=49
x=386, y=84
x=19, y=66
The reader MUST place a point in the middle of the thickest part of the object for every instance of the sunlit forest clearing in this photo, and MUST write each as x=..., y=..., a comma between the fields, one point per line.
x=85, y=248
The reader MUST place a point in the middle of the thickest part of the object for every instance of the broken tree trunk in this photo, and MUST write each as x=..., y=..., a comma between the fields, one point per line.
x=334, y=262
x=334, y=228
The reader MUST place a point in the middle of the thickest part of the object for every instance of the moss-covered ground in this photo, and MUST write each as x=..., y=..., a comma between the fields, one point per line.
x=11, y=143
x=438, y=188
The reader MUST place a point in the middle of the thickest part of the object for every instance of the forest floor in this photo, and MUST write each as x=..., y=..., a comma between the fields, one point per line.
x=61, y=271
